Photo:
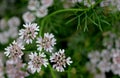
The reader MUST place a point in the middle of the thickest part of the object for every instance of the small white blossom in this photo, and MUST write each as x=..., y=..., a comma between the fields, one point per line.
x=14, y=69
x=105, y=3
x=20, y=41
x=28, y=17
x=33, y=4
x=60, y=61
x=91, y=67
x=100, y=75
x=113, y=5
x=116, y=56
x=67, y=4
x=13, y=32
x=29, y=33
x=70, y=1
x=3, y=24
x=115, y=69
x=73, y=1
x=4, y=38
x=46, y=43
x=89, y=3
x=94, y=57
x=118, y=5
x=41, y=12
x=14, y=22
x=117, y=43
x=104, y=66
x=14, y=50
x=36, y=62
x=79, y=0
x=108, y=41
x=106, y=54
x=1, y=67
x=46, y=3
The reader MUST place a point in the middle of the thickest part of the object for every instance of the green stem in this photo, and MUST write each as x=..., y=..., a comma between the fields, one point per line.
x=51, y=70
x=57, y=12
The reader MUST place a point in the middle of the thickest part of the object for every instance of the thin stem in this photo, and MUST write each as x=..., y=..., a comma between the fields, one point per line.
x=57, y=12
x=51, y=70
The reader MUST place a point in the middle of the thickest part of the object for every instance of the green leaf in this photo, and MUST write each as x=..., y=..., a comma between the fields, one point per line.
x=98, y=19
x=93, y=21
x=78, y=23
x=85, y=28
x=71, y=20
x=104, y=21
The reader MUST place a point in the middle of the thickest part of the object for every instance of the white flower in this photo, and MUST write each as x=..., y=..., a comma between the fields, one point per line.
x=79, y=0
x=118, y=5
x=108, y=41
x=100, y=75
x=115, y=69
x=13, y=32
x=28, y=17
x=4, y=37
x=113, y=5
x=105, y=3
x=104, y=66
x=67, y=4
x=117, y=43
x=41, y=12
x=73, y=1
x=109, y=3
x=46, y=3
x=91, y=67
x=116, y=56
x=36, y=61
x=29, y=33
x=106, y=54
x=94, y=57
x=14, y=50
x=60, y=61
x=14, y=22
x=1, y=68
x=46, y=43
x=20, y=41
x=89, y=3
x=33, y=4
x=14, y=69
x=3, y=24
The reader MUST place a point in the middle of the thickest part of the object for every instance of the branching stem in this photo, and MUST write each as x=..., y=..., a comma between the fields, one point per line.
x=57, y=12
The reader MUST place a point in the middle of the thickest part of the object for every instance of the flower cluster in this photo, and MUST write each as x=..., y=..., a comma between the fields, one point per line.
x=9, y=29
x=1, y=66
x=36, y=9
x=113, y=5
x=108, y=59
x=71, y=3
x=38, y=58
x=14, y=69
